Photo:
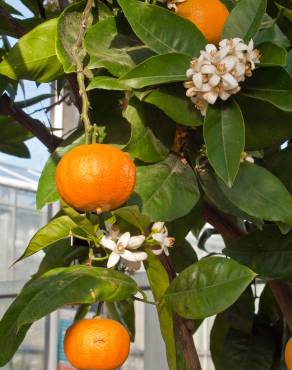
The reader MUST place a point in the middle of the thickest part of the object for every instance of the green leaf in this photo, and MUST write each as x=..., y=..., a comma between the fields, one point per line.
x=159, y=282
x=113, y=45
x=173, y=102
x=106, y=83
x=149, y=142
x=289, y=62
x=157, y=70
x=58, y=228
x=207, y=287
x=272, y=34
x=123, y=311
x=267, y=252
x=245, y=19
x=217, y=197
x=166, y=190
x=280, y=164
x=260, y=194
x=17, y=149
x=133, y=216
x=79, y=219
x=72, y=285
x=285, y=11
x=271, y=84
x=250, y=351
x=148, y=22
x=272, y=55
x=68, y=28
x=47, y=192
x=265, y=125
x=182, y=255
x=34, y=56
x=224, y=138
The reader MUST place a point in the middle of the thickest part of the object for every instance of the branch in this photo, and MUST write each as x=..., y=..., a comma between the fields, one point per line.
x=36, y=127
x=281, y=290
x=42, y=10
x=14, y=23
x=181, y=327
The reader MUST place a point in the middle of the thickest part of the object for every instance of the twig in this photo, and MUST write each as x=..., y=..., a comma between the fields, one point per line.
x=14, y=23
x=80, y=71
x=183, y=335
x=42, y=10
x=36, y=127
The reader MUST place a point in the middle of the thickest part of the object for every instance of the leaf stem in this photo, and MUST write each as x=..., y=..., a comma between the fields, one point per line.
x=76, y=51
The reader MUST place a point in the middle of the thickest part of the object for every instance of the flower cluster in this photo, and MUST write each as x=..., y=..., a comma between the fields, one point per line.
x=124, y=247
x=171, y=4
x=218, y=71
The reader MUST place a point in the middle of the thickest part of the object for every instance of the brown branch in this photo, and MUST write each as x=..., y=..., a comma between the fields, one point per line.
x=181, y=328
x=281, y=290
x=36, y=127
x=13, y=22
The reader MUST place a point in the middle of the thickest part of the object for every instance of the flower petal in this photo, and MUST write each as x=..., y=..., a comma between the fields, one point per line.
x=223, y=94
x=210, y=48
x=140, y=256
x=159, y=237
x=211, y=96
x=231, y=82
x=229, y=62
x=108, y=243
x=198, y=80
x=157, y=252
x=124, y=239
x=127, y=255
x=135, y=242
x=157, y=227
x=208, y=69
x=189, y=73
x=166, y=251
x=113, y=259
x=214, y=80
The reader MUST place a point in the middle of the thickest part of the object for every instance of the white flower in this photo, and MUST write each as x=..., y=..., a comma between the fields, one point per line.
x=160, y=235
x=171, y=4
x=245, y=157
x=120, y=249
x=112, y=231
x=216, y=73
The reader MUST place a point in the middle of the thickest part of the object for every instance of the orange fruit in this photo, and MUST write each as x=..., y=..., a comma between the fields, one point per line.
x=95, y=177
x=208, y=15
x=97, y=344
x=288, y=354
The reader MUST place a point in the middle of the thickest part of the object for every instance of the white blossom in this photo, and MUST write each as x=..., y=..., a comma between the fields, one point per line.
x=217, y=72
x=245, y=157
x=124, y=248
x=112, y=231
x=160, y=235
x=171, y=4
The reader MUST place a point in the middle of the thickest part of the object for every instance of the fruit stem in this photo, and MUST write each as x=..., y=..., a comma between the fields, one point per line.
x=76, y=51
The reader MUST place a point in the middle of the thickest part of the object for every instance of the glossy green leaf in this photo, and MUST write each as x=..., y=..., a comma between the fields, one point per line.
x=17, y=150
x=68, y=28
x=182, y=255
x=159, y=282
x=245, y=19
x=289, y=62
x=173, y=102
x=113, y=45
x=33, y=57
x=250, y=351
x=106, y=83
x=166, y=190
x=217, y=336
x=72, y=285
x=265, y=125
x=133, y=216
x=148, y=22
x=217, y=197
x=272, y=55
x=272, y=34
x=208, y=287
x=224, y=138
x=280, y=164
x=124, y=312
x=149, y=142
x=276, y=90
x=58, y=228
x=285, y=11
x=79, y=219
x=47, y=192
x=260, y=194
x=267, y=252
x=157, y=70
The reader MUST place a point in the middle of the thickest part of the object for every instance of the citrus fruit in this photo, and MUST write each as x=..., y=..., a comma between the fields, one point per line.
x=95, y=177
x=97, y=344
x=208, y=15
x=288, y=354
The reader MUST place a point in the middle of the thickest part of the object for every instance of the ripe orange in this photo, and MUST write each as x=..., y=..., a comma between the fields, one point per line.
x=208, y=15
x=97, y=344
x=95, y=177
x=288, y=354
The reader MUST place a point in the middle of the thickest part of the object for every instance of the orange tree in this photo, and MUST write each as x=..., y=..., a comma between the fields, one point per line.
x=208, y=127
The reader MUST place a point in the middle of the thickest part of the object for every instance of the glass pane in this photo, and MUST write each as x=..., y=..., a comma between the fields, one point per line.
x=25, y=199
x=6, y=235
x=7, y=195
x=31, y=354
